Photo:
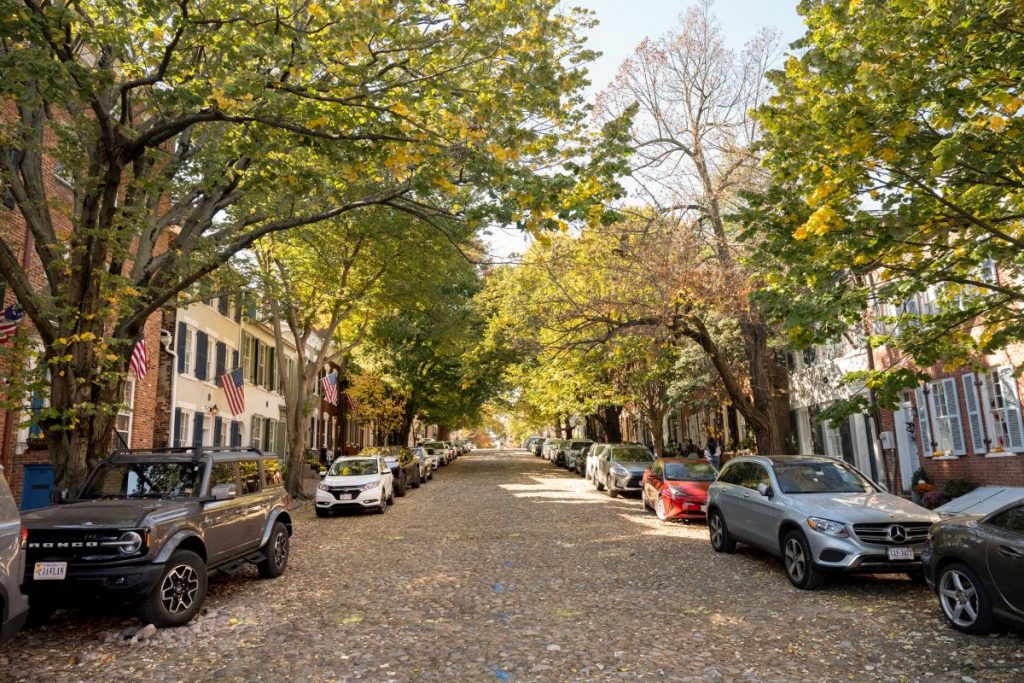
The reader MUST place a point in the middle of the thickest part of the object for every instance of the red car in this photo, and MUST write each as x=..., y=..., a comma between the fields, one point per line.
x=677, y=488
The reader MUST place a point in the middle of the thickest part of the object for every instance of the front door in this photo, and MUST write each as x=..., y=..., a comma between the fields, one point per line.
x=906, y=444
x=224, y=518
x=37, y=486
x=1006, y=555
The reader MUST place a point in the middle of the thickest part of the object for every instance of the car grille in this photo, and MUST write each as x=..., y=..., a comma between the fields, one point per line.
x=337, y=491
x=71, y=545
x=882, y=533
x=634, y=481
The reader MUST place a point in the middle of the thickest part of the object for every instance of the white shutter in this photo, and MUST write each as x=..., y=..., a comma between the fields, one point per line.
x=1013, y=419
x=974, y=414
x=924, y=439
x=956, y=427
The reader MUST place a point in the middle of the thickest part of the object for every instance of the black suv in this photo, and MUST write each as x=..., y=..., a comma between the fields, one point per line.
x=150, y=525
x=404, y=466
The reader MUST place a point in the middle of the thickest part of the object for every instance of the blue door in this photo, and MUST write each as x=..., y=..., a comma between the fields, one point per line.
x=37, y=487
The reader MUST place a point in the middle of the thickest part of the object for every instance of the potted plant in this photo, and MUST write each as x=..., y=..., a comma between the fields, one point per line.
x=920, y=477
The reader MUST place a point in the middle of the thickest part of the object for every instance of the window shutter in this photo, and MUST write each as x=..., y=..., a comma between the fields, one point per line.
x=222, y=305
x=177, y=427
x=925, y=437
x=973, y=414
x=1013, y=417
x=236, y=434
x=238, y=310
x=201, y=341
x=956, y=427
x=271, y=368
x=181, y=348
x=222, y=352
x=197, y=430
x=216, y=431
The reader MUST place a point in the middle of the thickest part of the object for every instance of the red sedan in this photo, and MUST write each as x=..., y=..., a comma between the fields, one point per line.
x=677, y=488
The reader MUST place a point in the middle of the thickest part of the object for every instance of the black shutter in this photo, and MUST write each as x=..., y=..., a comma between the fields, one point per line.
x=271, y=368
x=238, y=309
x=236, y=433
x=234, y=360
x=197, y=430
x=222, y=352
x=201, y=343
x=222, y=305
x=216, y=431
x=177, y=427
x=181, y=348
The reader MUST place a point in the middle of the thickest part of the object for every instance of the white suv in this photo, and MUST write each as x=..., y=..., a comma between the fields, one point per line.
x=358, y=482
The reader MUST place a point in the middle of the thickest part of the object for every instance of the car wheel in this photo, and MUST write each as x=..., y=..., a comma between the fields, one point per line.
x=416, y=479
x=597, y=484
x=400, y=485
x=391, y=495
x=798, y=562
x=383, y=505
x=179, y=593
x=659, y=508
x=612, y=493
x=275, y=552
x=964, y=600
x=643, y=497
x=323, y=512
x=721, y=541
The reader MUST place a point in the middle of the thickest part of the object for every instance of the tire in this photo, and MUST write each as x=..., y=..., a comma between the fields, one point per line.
x=416, y=480
x=721, y=541
x=659, y=509
x=276, y=552
x=399, y=489
x=179, y=593
x=799, y=563
x=962, y=593
x=643, y=497
x=612, y=493
x=321, y=513
x=382, y=506
x=391, y=495
x=597, y=484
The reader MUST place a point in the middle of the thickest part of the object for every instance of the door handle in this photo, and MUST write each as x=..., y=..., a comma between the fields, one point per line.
x=1007, y=551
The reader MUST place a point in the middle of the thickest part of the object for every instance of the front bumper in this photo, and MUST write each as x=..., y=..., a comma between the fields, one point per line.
x=626, y=483
x=364, y=499
x=685, y=509
x=124, y=581
x=841, y=555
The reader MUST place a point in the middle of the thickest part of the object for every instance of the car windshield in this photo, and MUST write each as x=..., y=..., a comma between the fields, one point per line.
x=690, y=471
x=145, y=480
x=632, y=455
x=820, y=477
x=354, y=467
x=580, y=445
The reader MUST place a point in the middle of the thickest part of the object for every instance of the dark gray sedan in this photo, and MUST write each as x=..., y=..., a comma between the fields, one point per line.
x=620, y=468
x=976, y=566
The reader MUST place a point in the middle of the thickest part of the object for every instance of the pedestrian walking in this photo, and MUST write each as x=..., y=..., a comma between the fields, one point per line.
x=713, y=452
x=692, y=450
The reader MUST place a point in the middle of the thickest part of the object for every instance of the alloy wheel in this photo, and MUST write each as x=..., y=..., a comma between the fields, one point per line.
x=959, y=598
x=178, y=589
x=280, y=549
x=796, y=560
x=716, y=530
x=659, y=509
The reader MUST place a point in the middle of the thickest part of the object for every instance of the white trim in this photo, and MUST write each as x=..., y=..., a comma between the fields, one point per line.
x=130, y=386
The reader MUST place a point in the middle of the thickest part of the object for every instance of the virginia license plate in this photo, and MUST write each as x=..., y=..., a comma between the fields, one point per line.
x=344, y=496
x=901, y=553
x=50, y=571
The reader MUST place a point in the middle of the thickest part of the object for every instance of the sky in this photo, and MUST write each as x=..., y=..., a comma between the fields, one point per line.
x=624, y=23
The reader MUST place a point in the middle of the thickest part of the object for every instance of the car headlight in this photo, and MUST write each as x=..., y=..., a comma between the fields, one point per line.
x=130, y=543
x=370, y=485
x=827, y=527
x=676, y=493
x=324, y=487
x=620, y=470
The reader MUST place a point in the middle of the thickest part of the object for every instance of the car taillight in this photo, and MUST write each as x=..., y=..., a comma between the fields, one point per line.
x=24, y=535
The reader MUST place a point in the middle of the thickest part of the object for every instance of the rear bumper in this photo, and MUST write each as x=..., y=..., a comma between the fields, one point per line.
x=123, y=581
x=11, y=627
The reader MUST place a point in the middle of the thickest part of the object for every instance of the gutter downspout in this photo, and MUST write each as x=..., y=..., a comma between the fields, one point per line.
x=168, y=341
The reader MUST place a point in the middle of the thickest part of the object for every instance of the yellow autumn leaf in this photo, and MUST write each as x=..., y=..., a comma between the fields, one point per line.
x=888, y=155
x=318, y=122
x=997, y=123
x=902, y=129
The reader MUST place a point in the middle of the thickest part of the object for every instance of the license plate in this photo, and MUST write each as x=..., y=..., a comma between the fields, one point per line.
x=703, y=508
x=50, y=571
x=901, y=553
x=344, y=496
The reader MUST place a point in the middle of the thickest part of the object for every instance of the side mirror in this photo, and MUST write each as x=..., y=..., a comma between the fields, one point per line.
x=323, y=474
x=224, y=492
x=765, y=490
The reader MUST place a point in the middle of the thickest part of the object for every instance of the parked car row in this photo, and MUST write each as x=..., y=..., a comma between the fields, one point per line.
x=821, y=516
x=372, y=479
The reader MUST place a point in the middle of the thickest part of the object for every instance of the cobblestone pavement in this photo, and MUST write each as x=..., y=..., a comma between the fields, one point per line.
x=505, y=568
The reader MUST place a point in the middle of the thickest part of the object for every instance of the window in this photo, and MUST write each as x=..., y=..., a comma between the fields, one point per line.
x=247, y=358
x=211, y=360
x=270, y=434
x=946, y=421
x=184, y=428
x=1011, y=520
x=190, y=351
x=208, y=430
x=63, y=174
x=123, y=422
x=257, y=432
x=261, y=364
x=224, y=427
x=1004, y=409
x=224, y=473
x=272, y=473
x=734, y=474
x=249, y=472
x=756, y=474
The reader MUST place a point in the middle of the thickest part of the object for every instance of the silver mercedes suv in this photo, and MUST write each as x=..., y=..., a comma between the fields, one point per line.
x=818, y=514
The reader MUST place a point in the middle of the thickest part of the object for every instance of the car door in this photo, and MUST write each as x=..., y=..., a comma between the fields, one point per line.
x=652, y=482
x=1006, y=555
x=761, y=515
x=731, y=490
x=223, y=518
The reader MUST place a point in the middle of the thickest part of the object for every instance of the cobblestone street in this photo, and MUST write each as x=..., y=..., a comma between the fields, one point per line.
x=506, y=568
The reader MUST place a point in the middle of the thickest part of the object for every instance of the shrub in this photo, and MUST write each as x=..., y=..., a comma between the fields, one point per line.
x=934, y=499
x=923, y=487
x=919, y=476
x=954, y=488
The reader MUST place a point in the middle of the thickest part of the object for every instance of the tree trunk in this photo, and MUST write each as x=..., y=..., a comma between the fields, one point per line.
x=408, y=417
x=295, y=414
x=568, y=427
x=657, y=427
x=609, y=416
x=771, y=431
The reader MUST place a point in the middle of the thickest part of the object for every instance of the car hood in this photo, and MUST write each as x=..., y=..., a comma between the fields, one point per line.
x=351, y=481
x=857, y=508
x=635, y=467
x=690, y=488
x=106, y=513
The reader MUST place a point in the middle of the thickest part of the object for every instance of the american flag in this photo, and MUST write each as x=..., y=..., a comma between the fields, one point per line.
x=139, y=362
x=234, y=388
x=330, y=386
x=9, y=321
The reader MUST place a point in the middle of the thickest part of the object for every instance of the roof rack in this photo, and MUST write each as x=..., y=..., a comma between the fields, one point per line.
x=196, y=451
